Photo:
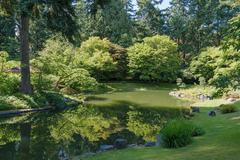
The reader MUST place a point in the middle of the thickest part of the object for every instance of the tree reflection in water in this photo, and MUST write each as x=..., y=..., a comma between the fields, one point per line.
x=75, y=131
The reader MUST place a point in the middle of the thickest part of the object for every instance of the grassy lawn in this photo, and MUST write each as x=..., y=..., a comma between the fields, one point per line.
x=221, y=142
x=211, y=103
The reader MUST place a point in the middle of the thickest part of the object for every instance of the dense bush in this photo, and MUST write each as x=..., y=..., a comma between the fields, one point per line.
x=179, y=133
x=12, y=102
x=156, y=59
x=18, y=101
x=104, y=60
x=227, y=108
x=61, y=73
x=9, y=83
x=3, y=60
x=220, y=68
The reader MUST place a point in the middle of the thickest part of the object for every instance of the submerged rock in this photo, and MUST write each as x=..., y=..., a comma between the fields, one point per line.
x=195, y=109
x=150, y=144
x=132, y=145
x=106, y=147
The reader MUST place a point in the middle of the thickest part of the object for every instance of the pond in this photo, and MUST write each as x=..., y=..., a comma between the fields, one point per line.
x=133, y=112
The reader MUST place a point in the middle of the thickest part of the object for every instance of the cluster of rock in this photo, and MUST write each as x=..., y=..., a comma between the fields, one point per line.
x=232, y=100
x=176, y=94
x=121, y=144
x=201, y=97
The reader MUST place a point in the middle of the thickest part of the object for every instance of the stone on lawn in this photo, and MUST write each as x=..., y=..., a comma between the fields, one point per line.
x=212, y=113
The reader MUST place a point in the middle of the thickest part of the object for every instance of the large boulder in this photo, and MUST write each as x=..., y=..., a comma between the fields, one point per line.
x=212, y=113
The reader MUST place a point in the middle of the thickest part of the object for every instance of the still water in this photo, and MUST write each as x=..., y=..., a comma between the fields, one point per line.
x=134, y=112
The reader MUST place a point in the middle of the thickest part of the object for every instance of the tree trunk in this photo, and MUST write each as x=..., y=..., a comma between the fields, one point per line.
x=26, y=87
x=24, y=147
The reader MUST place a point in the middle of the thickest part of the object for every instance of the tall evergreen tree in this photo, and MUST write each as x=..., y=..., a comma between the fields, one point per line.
x=196, y=24
x=150, y=19
x=112, y=21
x=59, y=15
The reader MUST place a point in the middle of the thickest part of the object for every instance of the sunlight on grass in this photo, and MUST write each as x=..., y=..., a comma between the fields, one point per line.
x=211, y=103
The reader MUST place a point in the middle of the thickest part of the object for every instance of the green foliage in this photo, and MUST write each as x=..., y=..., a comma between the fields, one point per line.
x=146, y=125
x=9, y=83
x=205, y=64
x=202, y=81
x=55, y=99
x=61, y=72
x=8, y=41
x=86, y=121
x=12, y=102
x=111, y=21
x=21, y=101
x=102, y=59
x=3, y=60
x=217, y=66
x=232, y=38
x=227, y=108
x=8, y=134
x=94, y=55
x=195, y=25
x=156, y=59
x=177, y=133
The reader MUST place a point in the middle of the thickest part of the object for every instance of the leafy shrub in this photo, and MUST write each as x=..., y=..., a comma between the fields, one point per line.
x=103, y=59
x=12, y=102
x=227, y=108
x=205, y=64
x=177, y=133
x=3, y=60
x=156, y=59
x=61, y=73
x=219, y=67
x=9, y=84
x=57, y=51
x=78, y=79
x=55, y=99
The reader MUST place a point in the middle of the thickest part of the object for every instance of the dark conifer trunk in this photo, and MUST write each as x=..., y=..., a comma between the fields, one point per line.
x=26, y=87
x=24, y=147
